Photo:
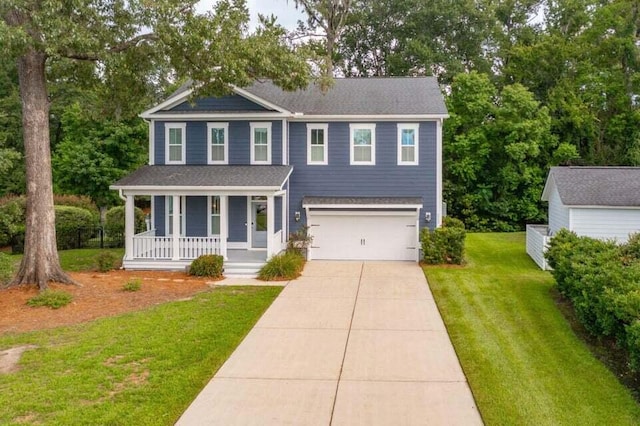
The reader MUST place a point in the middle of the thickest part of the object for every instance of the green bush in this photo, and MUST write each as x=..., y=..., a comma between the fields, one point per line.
x=207, y=265
x=7, y=266
x=133, y=285
x=444, y=244
x=106, y=261
x=285, y=266
x=74, y=226
x=114, y=221
x=53, y=299
x=80, y=201
x=300, y=241
x=12, y=220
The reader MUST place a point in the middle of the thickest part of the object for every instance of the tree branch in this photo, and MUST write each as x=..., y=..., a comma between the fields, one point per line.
x=125, y=45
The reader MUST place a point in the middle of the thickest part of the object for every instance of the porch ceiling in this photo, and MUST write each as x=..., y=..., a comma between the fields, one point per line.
x=205, y=177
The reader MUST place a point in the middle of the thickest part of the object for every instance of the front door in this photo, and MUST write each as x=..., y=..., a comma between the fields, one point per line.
x=259, y=223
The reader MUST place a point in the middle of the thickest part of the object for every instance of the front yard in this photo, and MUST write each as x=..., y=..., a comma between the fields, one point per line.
x=524, y=363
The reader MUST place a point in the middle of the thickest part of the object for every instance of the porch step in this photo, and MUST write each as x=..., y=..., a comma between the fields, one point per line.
x=242, y=269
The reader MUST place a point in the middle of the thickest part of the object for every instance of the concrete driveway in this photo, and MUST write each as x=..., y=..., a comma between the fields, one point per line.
x=348, y=343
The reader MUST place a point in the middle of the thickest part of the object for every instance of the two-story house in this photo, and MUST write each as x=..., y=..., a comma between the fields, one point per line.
x=235, y=175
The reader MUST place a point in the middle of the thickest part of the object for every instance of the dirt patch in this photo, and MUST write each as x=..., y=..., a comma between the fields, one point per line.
x=100, y=296
x=9, y=358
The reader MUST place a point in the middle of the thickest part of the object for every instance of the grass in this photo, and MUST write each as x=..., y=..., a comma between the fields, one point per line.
x=78, y=260
x=54, y=299
x=142, y=368
x=524, y=363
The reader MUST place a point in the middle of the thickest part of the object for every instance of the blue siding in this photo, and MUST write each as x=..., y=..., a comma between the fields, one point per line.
x=278, y=213
x=385, y=179
x=239, y=142
x=196, y=216
x=159, y=216
x=237, y=219
x=222, y=104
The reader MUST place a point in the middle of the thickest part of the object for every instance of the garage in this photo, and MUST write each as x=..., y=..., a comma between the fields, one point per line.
x=363, y=230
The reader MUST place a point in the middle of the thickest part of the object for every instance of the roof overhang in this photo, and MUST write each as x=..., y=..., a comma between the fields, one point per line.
x=370, y=117
x=342, y=203
x=548, y=187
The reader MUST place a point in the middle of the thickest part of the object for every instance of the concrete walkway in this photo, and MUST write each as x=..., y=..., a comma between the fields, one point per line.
x=348, y=343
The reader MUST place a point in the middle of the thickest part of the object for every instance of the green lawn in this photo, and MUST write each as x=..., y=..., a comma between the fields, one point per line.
x=523, y=362
x=78, y=259
x=142, y=368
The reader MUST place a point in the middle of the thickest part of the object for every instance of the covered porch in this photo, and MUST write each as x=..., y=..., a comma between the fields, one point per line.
x=238, y=212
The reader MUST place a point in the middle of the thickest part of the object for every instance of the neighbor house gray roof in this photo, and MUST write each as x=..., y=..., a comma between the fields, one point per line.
x=206, y=176
x=596, y=186
x=355, y=96
x=355, y=201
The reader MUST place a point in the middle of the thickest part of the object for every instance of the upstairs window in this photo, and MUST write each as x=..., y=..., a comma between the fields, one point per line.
x=175, y=143
x=407, y=144
x=363, y=144
x=218, y=152
x=317, y=147
x=214, y=215
x=260, y=143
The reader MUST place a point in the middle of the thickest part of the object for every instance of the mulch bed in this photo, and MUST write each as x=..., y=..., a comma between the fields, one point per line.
x=101, y=295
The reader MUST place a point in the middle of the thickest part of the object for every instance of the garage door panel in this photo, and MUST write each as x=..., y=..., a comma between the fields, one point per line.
x=363, y=237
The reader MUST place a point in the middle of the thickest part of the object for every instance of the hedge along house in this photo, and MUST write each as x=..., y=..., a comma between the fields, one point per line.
x=597, y=202
x=235, y=175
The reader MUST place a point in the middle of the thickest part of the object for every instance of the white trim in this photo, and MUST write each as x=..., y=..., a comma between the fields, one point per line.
x=362, y=126
x=225, y=126
x=325, y=144
x=153, y=212
x=260, y=125
x=407, y=207
x=199, y=189
x=237, y=245
x=416, y=143
x=183, y=128
x=218, y=116
x=573, y=206
x=152, y=142
x=438, y=173
x=285, y=142
x=183, y=210
x=258, y=100
x=408, y=213
x=369, y=117
x=169, y=103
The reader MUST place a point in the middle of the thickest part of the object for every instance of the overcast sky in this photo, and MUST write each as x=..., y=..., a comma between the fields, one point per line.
x=284, y=10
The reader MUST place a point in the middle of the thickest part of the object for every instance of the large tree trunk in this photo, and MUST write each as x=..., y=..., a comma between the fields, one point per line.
x=40, y=263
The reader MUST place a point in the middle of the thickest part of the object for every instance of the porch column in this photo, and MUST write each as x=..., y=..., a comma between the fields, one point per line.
x=175, y=241
x=224, y=228
x=283, y=219
x=270, y=225
x=129, y=226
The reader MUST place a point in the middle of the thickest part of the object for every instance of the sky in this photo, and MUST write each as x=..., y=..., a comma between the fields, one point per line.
x=284, y=10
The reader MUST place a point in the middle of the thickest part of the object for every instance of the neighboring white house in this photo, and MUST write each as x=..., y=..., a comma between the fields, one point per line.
x=597, y=202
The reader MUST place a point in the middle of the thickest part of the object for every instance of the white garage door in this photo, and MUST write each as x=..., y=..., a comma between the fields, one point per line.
x=363, y=236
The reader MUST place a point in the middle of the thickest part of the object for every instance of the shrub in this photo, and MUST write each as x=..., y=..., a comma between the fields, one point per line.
x=80, y=201
x=114, y=221
x=132, y=285
x=630, y=251
x=207, y=265
x=74, y=226
x=53, y=299
x=300, y=241
x=7, y=266
x=106, y=261
x=285, y=266
x=444, y=244
x=12, y=219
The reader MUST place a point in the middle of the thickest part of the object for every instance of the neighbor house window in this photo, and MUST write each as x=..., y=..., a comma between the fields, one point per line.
x=363, y=144
x=214, y=216
x=317, y=143
x=260, y=143
x=217, y=142
x=171, y=212
x=408, y=144
x=175, y=143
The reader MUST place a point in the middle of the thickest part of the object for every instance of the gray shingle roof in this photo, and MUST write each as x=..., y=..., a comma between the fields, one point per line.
x=597, y=186
x=355, y=201
x=206, y=176
x=356, y=96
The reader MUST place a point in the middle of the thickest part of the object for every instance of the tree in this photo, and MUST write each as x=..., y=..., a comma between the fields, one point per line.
x=212, y=49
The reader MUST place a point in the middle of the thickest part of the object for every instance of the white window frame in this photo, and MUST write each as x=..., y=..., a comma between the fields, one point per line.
x=210, y=214
x=325, y=128
x=409, y=126
x=362, y=126
x=253, y=127
x=225, y=127
x=183, y=128
x=183, y=217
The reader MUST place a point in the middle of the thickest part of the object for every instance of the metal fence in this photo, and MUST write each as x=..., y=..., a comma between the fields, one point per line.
x=76, y=238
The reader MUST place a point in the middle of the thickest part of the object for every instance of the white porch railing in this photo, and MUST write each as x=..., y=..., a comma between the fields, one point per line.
x=147, y=245
x=537, y=243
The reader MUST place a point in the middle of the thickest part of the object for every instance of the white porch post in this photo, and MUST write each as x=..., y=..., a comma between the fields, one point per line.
x=175, y=241
x=129, y=228
x=270, y=225
x=283, y=219
x=224, y=220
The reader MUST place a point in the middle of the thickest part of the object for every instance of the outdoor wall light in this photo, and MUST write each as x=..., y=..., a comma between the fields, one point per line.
x=427, y=216
x=296, y=216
